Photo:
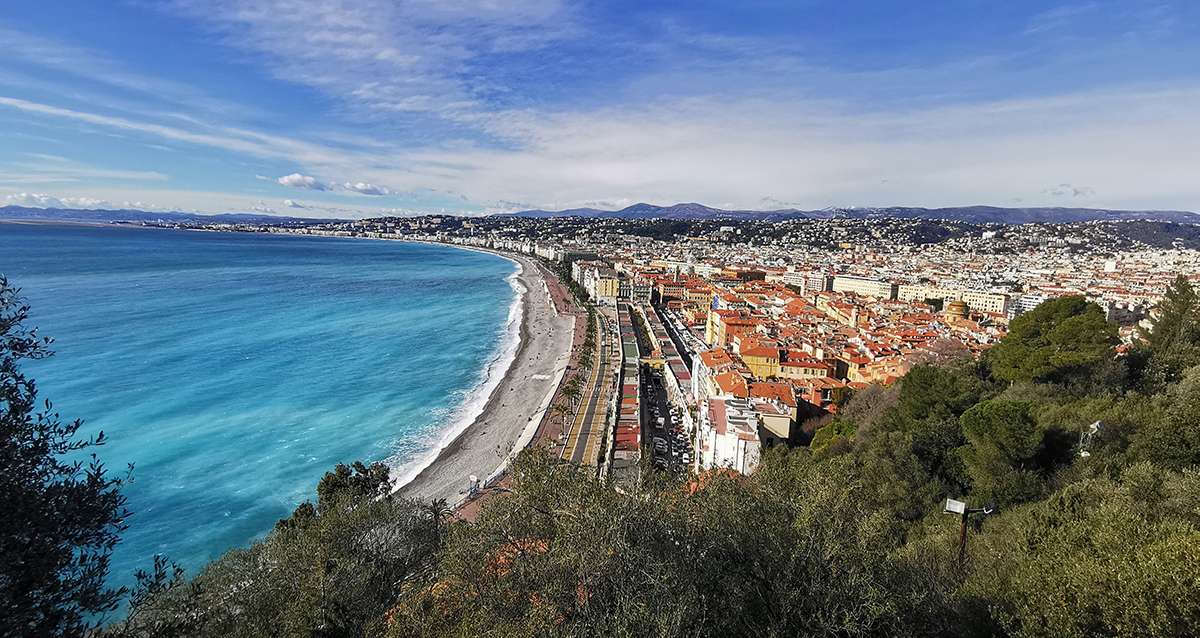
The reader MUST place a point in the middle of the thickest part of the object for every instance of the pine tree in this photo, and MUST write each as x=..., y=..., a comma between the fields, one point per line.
x=1174, y=339
x=1178, y=316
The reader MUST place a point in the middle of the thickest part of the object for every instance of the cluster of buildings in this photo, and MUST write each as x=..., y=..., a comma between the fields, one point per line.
x=760, y=336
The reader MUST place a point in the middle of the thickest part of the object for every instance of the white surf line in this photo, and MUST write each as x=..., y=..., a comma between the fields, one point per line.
x=474, y=404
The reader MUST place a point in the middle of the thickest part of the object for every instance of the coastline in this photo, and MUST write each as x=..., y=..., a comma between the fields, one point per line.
x=493, y=374
x=513, y=393
x=515, y=405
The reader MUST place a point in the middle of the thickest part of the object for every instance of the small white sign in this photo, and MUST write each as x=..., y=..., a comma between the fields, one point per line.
x=955, y=507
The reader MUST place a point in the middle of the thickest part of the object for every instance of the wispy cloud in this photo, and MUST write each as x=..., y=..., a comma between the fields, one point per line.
x=384, y=56
x=448, y=105
x=1070, y=190
x=41, y=168
x=91, y=66
x=227, y=138
x=1059, y=17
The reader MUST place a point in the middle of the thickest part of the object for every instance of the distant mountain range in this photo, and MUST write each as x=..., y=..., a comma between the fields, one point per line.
x=688, y=211
x=975, y=214
x=106, y=216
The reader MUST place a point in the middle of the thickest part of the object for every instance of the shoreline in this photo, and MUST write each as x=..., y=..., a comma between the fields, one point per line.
x=493, y=374
x=485, y=445
x=482, y=442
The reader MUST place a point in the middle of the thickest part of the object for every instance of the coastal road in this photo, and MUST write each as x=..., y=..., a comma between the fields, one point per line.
x=598, y=423
x=588, y=428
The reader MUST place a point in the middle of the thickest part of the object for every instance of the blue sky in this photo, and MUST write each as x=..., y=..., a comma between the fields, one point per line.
x=343, y=109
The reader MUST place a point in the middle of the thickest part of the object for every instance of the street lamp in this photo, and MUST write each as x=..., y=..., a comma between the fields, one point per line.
x=960, y=508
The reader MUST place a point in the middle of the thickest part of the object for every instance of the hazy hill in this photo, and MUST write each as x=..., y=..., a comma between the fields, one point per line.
x=124, y=215
x=975, y=214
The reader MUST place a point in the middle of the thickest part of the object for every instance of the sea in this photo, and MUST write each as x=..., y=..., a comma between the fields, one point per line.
x=234, y=369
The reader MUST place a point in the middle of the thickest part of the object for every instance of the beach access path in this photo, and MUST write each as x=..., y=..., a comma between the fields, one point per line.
x=515, y=408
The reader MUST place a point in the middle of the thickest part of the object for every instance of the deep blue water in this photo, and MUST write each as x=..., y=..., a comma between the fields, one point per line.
x=234, y=369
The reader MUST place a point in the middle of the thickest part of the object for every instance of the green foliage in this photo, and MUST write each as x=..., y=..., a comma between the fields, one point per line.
x=1169, y=435
x=1003, y=441
x=1178, y=314
x=832, y=436
x=1099, y=558
x=59, y=519
x=929, y=393
x=928, y=404
x=900, y=484
x=1060, y=339
x=333, y=569
x=795, y=549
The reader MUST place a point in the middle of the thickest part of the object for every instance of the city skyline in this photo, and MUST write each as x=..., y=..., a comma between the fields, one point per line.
x=361, y=109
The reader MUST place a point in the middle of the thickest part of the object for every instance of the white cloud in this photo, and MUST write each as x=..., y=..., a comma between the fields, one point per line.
x=291, y=203
x=307, y=182
x=364, y=188
x=94, y=66
x=236, y=140
x=42, y=200
x=815, y=154
x=1059, y=17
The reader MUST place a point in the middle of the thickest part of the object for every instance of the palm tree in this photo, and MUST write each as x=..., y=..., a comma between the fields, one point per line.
x=572, y=392
x=559, y=410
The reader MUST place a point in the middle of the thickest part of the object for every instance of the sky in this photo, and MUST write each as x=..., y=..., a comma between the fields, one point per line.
x=328, y=108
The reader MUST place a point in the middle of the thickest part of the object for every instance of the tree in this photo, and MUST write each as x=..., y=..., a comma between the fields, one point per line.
x=1178, y=315
x=571, y=390
x=1169, y=436
x=793, y=550
x=59, y=519
x=559, y=410
x=332, y=569
x=355, y=481
x=928, y=393
x=832, y=437
x=1008, y=453
x=1060, y=339
x=928, y=405
x=1174, y=338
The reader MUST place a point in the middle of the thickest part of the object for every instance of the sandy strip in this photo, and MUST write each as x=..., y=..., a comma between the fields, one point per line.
x=515, y=407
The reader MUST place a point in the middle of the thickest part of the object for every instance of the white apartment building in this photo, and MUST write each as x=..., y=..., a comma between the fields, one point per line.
x=977, y=300
x=727, y=435
x=864, y=286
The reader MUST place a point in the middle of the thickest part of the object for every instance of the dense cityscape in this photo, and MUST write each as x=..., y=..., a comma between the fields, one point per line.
x=756, y=332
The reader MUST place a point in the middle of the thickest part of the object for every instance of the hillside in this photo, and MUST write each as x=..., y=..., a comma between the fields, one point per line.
x=975, y=214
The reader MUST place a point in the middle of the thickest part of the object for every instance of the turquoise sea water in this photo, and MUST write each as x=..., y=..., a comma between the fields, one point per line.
x=233, y=369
